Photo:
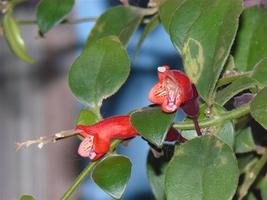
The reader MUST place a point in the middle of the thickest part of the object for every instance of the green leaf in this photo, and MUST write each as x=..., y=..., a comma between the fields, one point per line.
x=202, y=168
x=150, y=26
x=259, y=108
x=112, y=175
x=152, y=124
x=260, y=72
x=14, y=38
x=237, y=86
x=99, y=71
x=203, y=31
x=156, y=168
x=250, y=45
x=121, y=21
x=51, y=12
x=27, y=197
x=244, y=141
x=86, y=117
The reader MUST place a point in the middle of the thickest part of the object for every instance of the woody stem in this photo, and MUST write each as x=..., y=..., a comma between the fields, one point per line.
x=229, y=115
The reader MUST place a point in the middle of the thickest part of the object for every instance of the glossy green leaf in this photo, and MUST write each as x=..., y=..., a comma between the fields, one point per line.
x=251, y=46
x=99, y=71
x=237, y=86
x=121, y=21
x=150, y=26
x=112, y=175
x=156, y=168
x=259, y=108
x=260, y=72
x=203, y=31
x=27, y=197
x=202, y=168
x=244, y=141
x=152, y=124
x=14, y=38
x=51, y=12
x=86, y=117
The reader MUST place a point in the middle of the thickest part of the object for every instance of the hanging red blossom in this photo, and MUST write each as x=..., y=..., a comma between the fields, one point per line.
x=97, y=137
x=172, y=90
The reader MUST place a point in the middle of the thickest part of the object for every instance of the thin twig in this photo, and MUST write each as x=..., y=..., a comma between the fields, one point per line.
x=65, y=21
x=47, y=139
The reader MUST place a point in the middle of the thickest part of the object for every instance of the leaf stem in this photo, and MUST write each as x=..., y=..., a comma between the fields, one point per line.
x=229, y=79
x=252, y=175
x=79, y=179
x=65, y=21
x=229, y=115
x=84, y=174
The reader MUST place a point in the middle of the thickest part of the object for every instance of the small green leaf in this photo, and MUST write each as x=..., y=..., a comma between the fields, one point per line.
x=250, y=45
x=86, y=117
x=237, y=86
x=259, y=108
x=150, y=26
x=202, y=168
x=27, y=197
x=51, y=12
x=14, y=38
x=244, y=141
x=152, y=124
x=99, y=71
x=121, y=21
x=203, y=31
x=260, y=71
x=156, y=168
x=112, y=175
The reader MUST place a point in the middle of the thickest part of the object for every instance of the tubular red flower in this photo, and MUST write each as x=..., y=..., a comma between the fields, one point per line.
x=173, y=89
x=97, y=137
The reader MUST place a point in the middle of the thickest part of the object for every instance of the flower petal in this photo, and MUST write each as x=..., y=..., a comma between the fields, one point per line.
x=86, y=147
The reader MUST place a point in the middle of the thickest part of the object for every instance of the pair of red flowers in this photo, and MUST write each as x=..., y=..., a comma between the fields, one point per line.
x=173, y=90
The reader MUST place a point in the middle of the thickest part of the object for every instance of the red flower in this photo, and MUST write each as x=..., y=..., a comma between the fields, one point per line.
x=97, y=137
x=173, y=89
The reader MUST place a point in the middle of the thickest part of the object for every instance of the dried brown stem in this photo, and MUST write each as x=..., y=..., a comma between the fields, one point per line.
x=47, y=139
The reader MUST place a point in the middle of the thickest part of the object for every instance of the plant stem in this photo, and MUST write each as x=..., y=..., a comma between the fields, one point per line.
x=229, y=79
x=65, y=21
x=77, y=182
x=195, y=121
x=85, y=173
x=251, y=176
x=229, y=115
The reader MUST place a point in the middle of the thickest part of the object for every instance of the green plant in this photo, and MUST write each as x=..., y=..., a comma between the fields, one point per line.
x=223, y=47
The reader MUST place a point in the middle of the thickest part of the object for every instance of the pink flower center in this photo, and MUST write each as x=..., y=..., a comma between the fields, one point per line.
x=86, y=147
